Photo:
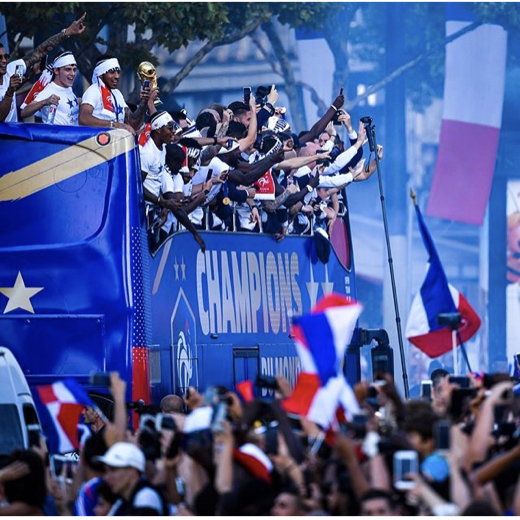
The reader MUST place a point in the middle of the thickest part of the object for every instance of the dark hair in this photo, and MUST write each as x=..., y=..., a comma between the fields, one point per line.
x=375, y=493
x=238, y=107
x=104, y=57
x=29, y=489
x=204, y=120
x=437, y=375
x=237, y=130
x=420, y=417
x=174, y=153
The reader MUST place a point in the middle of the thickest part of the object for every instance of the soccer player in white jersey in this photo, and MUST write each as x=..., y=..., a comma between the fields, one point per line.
x=57, y=93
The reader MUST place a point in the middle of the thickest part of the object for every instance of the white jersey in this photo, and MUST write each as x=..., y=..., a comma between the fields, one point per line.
x=68, y=107
x=12, y=116
x=92, y=96
x=217, y=167
x=153, y=164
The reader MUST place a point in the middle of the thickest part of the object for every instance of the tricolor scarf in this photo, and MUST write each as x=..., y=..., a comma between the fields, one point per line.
x=108, y=100
x=44, y=79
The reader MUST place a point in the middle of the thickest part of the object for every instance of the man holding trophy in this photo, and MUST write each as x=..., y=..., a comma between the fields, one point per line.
x=103, y=104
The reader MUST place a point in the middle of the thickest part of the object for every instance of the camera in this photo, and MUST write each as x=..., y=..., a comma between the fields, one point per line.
x=265, y=381
x=450, y=318
x=366, y=120
x=261, y=95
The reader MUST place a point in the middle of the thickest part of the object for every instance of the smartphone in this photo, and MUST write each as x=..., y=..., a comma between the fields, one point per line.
x=341, y=91
x=219, y=414
x=247, y=94
x=33, y=431
x=462, y=381
x=210, y=173
x=146, y=83
x=271, y=438
x=405, y=462
x=147, y=422
x=265, y=381
x=441, y=435
x=57, y=463
x=426, y=389
x=100, y=378
x=165, y=422
x=359, y=425
x=229, y=144
x=19, y=71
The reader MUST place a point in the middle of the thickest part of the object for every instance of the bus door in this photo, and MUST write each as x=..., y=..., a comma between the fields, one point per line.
x=246, y=363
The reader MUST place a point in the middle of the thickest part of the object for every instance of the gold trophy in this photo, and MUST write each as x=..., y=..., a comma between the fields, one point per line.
x=146, y=72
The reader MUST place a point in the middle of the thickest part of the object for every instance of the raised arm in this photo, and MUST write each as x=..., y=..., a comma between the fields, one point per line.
x=75, y=28
x=321, y=124
x=250, y=138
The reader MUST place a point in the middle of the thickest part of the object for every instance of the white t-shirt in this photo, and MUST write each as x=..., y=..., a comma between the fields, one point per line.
x=12, y=117
x=68, y=107
x=217, y=167
x=152, y=163
x=92, y=96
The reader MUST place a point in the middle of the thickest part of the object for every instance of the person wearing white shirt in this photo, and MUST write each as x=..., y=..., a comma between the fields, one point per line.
x=103, y=104
x=58, y=93
x=10, y=81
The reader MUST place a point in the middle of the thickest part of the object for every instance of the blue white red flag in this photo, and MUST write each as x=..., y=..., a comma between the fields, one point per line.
x=435, y=297
x=44, y=79
x=472, y=115
x=321, y=339
x=59, y=406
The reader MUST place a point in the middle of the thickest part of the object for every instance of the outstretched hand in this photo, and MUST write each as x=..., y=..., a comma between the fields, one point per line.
x=76, y=27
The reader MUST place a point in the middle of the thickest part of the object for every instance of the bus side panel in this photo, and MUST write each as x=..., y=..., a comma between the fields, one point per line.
x=241, y=294
x=72, y=201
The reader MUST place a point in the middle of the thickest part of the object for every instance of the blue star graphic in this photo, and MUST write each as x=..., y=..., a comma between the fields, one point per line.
x=70, y=102
x=119, y=111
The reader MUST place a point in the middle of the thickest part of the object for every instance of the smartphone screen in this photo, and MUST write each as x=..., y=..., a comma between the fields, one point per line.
x=247, y=93
x=405, y=463
x=426, y=389
x=441, y=435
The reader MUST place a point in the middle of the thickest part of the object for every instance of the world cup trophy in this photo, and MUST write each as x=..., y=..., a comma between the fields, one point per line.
x=146, y=72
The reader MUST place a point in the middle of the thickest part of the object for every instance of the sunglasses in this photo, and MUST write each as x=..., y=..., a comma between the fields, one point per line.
x=5, y=56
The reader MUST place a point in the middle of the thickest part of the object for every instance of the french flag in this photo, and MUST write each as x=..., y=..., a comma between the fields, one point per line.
x=472, y=115
x=44, y=79
x=321, y=339
x=435, y=297
x=59, y=407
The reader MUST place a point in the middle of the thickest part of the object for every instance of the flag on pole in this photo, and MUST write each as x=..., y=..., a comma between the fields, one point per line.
x=435, y=297
x=472, y=115
x=321, y=339
x=59, y=406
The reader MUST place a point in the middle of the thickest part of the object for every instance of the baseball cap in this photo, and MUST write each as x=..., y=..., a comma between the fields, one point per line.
x=123, y=455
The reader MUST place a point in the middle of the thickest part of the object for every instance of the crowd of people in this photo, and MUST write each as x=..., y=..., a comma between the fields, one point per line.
x=242, y=167
x=235, y=168
x=454, y=452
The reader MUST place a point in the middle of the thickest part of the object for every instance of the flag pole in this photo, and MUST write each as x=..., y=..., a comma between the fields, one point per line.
x=371, y=135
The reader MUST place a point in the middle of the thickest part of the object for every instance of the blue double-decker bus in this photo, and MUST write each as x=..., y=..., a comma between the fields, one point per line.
x=81, y=292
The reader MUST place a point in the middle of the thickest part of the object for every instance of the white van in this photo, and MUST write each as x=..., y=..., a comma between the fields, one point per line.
x=19, y=422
